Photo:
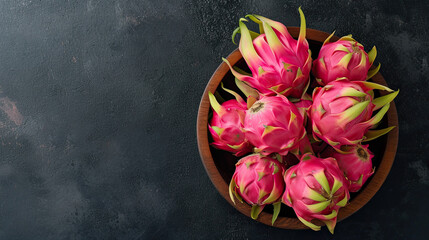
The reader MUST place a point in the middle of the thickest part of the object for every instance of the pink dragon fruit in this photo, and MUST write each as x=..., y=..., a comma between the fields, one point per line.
x=316, y=189
x=356, y=163
x=226, y=126
x=343, y=58
x=303, y=105
x=259, y=181
x=279, y=63
x=341, y=112
x=274, y=125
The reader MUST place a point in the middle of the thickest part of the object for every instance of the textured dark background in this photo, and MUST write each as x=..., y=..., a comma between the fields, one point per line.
x=98, y=107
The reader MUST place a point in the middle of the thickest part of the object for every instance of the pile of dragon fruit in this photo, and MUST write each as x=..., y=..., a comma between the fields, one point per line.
x=304, y=150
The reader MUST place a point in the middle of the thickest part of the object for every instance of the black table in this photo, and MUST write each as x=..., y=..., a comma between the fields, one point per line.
x=98, y=109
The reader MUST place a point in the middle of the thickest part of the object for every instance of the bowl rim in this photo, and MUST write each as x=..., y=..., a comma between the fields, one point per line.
x=358, y=201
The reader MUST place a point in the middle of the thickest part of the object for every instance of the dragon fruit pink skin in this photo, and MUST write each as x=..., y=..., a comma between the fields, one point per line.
x=316, y=189
x=258, y=180
x=226, y=126
x=341, y=113
x=356, y=164
x=303, y=105
x=274, y=125
x=343, y=58
x=279, y=63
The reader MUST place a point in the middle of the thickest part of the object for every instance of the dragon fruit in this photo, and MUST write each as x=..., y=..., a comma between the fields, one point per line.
x=258, y=180
x=356, y=163
x=341, y=112
x=279, y=63
x=344, y=58
x=316, y=189
x=226, y=126
x=274, y=125
x=303, y=105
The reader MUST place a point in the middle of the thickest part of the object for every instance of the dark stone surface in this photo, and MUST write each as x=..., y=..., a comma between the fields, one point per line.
x=98, y=108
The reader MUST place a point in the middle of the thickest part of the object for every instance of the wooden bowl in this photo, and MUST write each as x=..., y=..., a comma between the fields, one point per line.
x=220, y=165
